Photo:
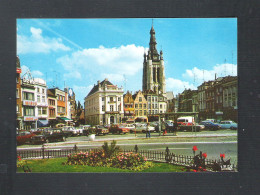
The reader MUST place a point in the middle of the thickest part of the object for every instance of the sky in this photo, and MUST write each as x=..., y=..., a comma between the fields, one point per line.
x=76, y=53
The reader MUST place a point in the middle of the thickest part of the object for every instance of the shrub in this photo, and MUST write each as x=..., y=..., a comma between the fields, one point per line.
x=111, y=150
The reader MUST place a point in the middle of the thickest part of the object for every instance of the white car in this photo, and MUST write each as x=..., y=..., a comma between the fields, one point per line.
x=131, y=127
x=142, y=128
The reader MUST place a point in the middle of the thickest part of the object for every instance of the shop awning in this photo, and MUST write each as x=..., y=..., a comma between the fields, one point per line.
x=42, y=123
x=65, y=119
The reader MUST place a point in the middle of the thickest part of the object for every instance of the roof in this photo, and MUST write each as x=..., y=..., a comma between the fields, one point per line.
x=95, y=88
x=50, y=92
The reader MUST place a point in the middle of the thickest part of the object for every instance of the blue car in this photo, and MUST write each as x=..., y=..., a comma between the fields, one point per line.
x=210, y=125
x=228, y=125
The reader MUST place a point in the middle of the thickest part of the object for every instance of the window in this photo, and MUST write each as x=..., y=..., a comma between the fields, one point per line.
x=119, y=107
x=140, y=113
x=111, y=107
x=149, y=98
x=17, y=108
x=145, y=113
x=111, y=99
x=152, y=98
x=136, y=105
x=44, y=110
x=43, y=98
x=140, y=105
x=43, y=90
x=39, y=111
x=119, y=99
x=136, y=113
x=63, y=98
x=38, y=89
x=17, y=93
x=103, y=99
x=149, y=106
x=160, y=106
x=140, y=99
x=28, y=96
x=28, y=111
x=156, y=99
x=144, y=105
x=38, y=98
x=156, y=105
x=103, y=108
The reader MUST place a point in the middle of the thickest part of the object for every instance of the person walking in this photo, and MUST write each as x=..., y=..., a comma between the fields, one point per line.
x=148, y=133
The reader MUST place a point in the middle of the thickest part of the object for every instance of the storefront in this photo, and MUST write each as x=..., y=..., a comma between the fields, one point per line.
x=30, y=122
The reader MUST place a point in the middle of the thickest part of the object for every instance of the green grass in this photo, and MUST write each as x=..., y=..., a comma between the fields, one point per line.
x=55, y=166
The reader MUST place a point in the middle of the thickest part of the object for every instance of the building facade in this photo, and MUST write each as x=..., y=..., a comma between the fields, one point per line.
x=29, y=102
x=129, y=109
x=140, y=105
x=52, y=107
x=42, y=102
x=19, y=113
x=104, y=104
x=230, y=98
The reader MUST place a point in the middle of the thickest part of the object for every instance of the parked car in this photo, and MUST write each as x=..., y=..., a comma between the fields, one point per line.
x=100, y=129
x=210, y=125
x=130, y=127
x=70, y=131
x=52, y=135
x=141, y=127
x=23, y=137
x=118, y=128
x=228, y=125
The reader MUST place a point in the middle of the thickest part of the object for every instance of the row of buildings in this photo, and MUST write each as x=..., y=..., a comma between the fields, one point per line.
x=215, y=99
x=106, y=103
x=38, y=106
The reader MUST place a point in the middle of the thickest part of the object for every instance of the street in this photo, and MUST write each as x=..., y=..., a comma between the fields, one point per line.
x=211, y=142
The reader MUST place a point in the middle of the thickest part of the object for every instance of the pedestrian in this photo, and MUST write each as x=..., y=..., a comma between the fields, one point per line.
x=164, y=128
x=148, y=133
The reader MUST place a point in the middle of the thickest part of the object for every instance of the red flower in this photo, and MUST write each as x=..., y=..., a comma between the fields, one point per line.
x=204, y=155
x=194, y=148
x=222, y=155
x=194, y=170
x=200, y=167
x=204, y=169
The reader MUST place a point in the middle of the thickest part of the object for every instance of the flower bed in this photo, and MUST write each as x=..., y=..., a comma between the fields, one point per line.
x=131, y=161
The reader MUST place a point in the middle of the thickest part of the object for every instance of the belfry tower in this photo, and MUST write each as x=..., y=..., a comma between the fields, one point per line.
x=153, y=68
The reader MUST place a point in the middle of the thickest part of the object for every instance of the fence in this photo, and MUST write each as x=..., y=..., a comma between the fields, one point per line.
x=166, y=156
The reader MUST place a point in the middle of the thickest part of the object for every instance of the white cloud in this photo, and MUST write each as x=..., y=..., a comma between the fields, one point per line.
x=72, y=74
x=36, y=43
x=34, y=73
x=204, y=75
x=103, y=61
x=37, y=73
x=114, y=78
x=178, y=86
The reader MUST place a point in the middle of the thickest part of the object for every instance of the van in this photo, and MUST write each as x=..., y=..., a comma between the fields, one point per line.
x=186, y=120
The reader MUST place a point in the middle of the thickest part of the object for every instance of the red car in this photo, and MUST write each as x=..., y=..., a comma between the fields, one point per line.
x=116, y=128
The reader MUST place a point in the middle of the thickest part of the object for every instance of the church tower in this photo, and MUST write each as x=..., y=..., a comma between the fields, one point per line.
x=153, y=68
